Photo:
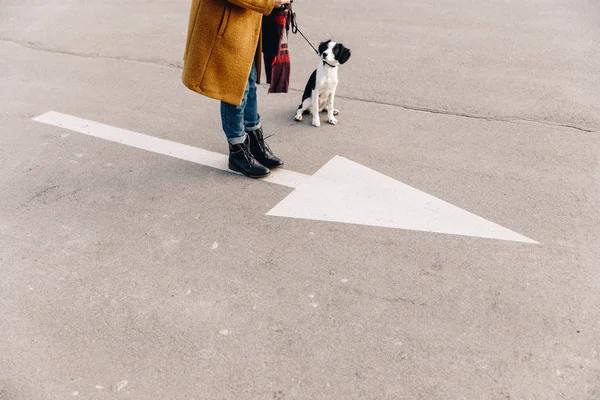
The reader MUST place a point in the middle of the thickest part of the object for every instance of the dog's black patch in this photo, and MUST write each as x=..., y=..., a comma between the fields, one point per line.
x=310, y=86
x=323, y=46
x=341, y=53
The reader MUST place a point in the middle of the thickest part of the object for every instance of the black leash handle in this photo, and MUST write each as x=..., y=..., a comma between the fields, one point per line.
x=292, y=20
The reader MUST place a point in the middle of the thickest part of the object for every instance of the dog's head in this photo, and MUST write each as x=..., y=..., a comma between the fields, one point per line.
x=334, y=53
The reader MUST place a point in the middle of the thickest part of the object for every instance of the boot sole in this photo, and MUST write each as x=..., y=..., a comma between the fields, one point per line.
x=233, y=168
x=273, y=167
x=277, y=166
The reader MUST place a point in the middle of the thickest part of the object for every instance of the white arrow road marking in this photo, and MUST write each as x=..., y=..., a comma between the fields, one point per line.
x=345, y=191
x=341, y=191
x=161, y=146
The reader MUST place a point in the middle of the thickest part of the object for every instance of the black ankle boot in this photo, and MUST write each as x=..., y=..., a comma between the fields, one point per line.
x=241, y=160
x=261, y=151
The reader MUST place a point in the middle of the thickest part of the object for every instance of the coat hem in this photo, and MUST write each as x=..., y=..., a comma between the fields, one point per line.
x=214, y=95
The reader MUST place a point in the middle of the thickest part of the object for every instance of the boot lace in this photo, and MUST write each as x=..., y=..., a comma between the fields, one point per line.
x=263, y=145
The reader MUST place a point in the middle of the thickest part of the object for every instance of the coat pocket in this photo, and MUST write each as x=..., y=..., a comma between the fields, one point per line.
x=224, y=19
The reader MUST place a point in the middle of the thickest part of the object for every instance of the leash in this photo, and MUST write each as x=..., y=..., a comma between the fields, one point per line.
x=292, y=20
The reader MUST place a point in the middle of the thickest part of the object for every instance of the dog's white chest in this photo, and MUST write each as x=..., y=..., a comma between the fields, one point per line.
x=326, y=89
x=329, y=77
x=325, y=92
x=327, y=85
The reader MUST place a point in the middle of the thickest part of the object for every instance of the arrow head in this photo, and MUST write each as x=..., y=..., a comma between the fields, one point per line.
x=347, y=192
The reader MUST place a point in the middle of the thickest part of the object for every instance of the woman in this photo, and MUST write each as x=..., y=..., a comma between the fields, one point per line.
x=223, y=61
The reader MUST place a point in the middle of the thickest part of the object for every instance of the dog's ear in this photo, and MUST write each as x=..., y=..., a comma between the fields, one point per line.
x=343, y=53
x=323, y=46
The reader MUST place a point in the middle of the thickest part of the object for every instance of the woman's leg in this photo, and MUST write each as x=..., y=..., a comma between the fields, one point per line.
x=232, y=120
x=253, y=128
x=232, y=117
x=251, y=115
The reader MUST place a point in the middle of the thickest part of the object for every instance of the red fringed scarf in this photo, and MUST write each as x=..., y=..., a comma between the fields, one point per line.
x=275, y=50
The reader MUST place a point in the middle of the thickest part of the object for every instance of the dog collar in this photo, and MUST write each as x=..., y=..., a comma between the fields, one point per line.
x=332, y=66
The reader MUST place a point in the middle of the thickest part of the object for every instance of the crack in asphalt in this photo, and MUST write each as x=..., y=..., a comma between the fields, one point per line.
x=179, y=65
x=39, y=47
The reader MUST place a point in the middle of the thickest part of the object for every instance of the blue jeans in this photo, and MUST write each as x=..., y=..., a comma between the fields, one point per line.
x=236, y=120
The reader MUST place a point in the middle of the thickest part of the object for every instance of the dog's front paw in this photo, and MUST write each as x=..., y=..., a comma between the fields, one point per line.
x=332, y=121
x=298, y=117
x=316, y=122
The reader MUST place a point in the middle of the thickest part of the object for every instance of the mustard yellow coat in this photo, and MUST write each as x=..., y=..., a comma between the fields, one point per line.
x=223, y=38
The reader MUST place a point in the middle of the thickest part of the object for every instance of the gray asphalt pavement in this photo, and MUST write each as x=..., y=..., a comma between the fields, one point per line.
x=127, y=274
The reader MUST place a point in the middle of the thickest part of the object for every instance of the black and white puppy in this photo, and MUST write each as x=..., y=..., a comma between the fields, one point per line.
x=319, y=93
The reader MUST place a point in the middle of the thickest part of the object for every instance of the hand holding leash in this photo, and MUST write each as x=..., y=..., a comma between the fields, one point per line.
x=281, y=3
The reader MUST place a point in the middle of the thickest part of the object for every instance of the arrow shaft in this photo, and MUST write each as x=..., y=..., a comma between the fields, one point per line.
x=160, y=146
